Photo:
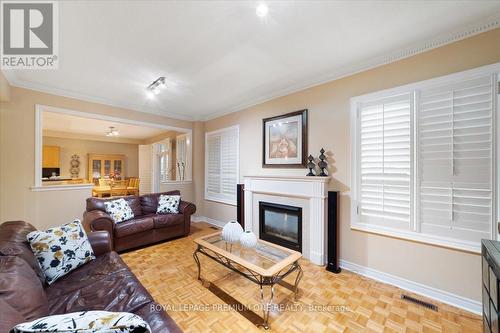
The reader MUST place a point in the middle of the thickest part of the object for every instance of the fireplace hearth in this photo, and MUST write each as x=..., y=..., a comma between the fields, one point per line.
x=281, y=225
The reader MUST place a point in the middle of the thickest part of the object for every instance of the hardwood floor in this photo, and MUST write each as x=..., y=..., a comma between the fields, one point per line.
x=346, y=302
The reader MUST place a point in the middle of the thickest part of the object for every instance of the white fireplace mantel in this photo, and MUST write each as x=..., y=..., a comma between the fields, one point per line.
x=308, y=192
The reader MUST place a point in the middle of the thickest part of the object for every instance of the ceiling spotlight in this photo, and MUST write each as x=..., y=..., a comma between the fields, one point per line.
x=262, y=10
x=154, y=88
x=112, y=131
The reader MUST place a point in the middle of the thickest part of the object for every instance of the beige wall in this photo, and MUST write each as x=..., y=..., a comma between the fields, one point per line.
x=186, y=188
x=17, y=146
x=69, y=147
x=4, y=89
x=329, y=123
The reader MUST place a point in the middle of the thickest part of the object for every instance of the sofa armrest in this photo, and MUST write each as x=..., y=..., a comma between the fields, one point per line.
x=101, y=242
x=187, y=208
x=97, y=220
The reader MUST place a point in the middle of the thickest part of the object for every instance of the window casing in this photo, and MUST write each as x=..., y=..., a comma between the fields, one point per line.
x=222, y=165
x=424, y=160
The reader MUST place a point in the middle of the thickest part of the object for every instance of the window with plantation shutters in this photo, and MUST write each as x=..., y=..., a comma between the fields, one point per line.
x=455, y=131
x=424, y=160
x=222, y=165
x=385, y=161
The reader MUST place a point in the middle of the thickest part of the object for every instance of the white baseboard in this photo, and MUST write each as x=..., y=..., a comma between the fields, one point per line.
x=417, y=288
x=217, y=223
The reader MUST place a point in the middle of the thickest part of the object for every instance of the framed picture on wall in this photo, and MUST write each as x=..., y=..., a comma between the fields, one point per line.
x=285, y=140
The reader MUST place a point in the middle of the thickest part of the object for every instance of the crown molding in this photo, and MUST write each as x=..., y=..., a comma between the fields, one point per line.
x=15, y=82
x=476, y=28
x=471, y=30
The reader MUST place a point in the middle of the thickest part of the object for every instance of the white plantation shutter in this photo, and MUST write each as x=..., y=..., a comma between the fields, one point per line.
x=213, y=164
x=145, y=169
x=222, y=164
x=424, y=160
x=385, y=161
x=456, y=165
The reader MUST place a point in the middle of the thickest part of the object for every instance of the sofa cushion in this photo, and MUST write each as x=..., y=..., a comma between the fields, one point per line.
x=98, y=204
x=133, y=226
x=168, y=220
x=86, y=321
x=60, y=250
x=149, y=202
x=21, y=288
x=10, y=317
x=94, y=287
x=119, y=210
x=13, y=242
x=104, y=265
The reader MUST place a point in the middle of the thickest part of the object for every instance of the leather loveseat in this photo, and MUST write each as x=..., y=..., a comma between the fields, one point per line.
x=105, y=283
x=146, y=227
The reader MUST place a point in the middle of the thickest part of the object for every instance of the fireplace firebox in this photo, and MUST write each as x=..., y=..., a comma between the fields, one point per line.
x=281, y=224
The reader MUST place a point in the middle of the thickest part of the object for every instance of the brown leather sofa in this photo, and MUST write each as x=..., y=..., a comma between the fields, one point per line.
x=146, y=227
x=105, y=283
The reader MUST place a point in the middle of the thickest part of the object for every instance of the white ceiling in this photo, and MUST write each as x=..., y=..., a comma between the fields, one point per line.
x=219, y=57
x=64, y=123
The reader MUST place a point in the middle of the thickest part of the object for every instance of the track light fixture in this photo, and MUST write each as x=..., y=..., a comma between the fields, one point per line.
x=154, y=88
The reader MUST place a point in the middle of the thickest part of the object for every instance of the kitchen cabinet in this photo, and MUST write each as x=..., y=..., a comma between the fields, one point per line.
x=50, y=156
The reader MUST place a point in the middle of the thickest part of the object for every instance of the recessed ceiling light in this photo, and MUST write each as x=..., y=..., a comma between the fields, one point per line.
x=262, y=10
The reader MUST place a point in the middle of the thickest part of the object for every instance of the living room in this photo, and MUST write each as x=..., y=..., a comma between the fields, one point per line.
x=366, y=132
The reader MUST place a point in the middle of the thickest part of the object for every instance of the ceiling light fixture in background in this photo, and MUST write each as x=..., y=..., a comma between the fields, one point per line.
x=154, y=88
x=262, y=10
x=112, y=131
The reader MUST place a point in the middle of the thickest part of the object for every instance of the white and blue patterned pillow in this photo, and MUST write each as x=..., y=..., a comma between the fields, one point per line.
x=60, y=250
x=119, y=210
x=86, y=322
x=168, y=204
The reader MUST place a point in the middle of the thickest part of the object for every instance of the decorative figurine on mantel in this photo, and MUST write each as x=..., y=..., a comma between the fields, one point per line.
x=311, y=166
x=322, y=163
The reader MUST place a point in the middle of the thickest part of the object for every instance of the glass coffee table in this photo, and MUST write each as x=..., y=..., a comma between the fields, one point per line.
x=266, y=264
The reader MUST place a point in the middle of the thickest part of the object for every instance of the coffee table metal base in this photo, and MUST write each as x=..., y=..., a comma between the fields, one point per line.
x=260, y=280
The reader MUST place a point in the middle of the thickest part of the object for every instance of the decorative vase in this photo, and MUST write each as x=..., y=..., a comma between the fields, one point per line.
x=248, y=239
x=232, y=231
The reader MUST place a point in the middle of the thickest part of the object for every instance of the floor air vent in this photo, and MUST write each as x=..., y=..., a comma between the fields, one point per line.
x=419, y=302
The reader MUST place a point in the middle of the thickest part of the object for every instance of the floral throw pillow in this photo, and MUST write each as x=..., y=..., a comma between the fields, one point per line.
x=168, y=204
x=119, y=210
x=86, y=322
x=61, y=249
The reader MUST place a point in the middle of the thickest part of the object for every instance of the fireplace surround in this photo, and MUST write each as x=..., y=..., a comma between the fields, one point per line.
x=281, y=225
x=308, y=193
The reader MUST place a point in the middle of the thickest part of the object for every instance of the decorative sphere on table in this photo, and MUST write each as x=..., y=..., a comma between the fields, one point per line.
x=248, y=239
x=231, y=232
